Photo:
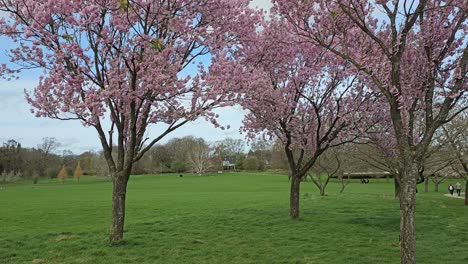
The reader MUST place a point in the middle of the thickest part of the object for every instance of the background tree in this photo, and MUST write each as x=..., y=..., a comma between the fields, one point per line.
x=252, y=163
x=279, y=160
x=177, y=150
x=414, y=53
x=344, y=180
x=120, y=66
x=456, y=137
x=69, y=160
x=295, y=94
x=47, y=148
x=262, y=150
x=178, y=166
x=78, y=172
x=228, y=148
x=327, y=166
x=10, y=159
x=63, y=174
x=86, y=162
x=198, y=154
x=161, y=158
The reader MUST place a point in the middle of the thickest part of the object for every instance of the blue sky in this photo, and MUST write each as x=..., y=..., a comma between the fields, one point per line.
x=16, y=121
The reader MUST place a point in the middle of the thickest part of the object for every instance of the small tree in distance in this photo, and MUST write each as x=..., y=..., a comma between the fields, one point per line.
x=63, y=174
x=78, y=172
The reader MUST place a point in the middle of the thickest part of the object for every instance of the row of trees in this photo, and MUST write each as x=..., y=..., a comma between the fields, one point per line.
x=316, y=75
x=17, y=162
x=195, y=155
x=188, y=154
x=446, y=159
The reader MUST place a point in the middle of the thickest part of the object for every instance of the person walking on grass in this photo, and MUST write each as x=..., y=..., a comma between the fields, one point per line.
x=450, y=188
x=458, y=188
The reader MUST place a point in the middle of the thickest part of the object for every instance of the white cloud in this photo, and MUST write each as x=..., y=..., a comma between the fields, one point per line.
x=17, y=122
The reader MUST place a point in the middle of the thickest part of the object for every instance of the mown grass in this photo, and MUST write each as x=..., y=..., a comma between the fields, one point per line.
x=228, y=218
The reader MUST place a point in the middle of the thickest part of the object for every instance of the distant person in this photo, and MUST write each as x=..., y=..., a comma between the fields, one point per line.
x=458, y=188
x=450, y=188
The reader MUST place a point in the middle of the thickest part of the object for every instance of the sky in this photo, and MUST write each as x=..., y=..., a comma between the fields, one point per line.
x=17, y=122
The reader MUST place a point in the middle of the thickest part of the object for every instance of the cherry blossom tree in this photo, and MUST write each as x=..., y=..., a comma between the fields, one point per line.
x=121, y=66
x=293, y=92
x=414, y=53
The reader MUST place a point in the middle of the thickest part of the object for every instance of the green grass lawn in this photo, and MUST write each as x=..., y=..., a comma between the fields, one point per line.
x=228, y=218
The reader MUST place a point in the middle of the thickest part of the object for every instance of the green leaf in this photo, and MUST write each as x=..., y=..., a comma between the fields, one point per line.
x=157, y=45
x=67, y=37
x=124, y=4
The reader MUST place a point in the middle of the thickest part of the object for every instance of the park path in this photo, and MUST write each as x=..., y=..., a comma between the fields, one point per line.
x=462, y=195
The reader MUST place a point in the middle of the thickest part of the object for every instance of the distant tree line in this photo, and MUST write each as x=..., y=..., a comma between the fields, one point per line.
x=179, y=155
x=45, y=160
x=196, y=155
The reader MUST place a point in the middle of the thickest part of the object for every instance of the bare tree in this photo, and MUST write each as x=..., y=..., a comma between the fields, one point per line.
x=436, y=168
x=344, y=181
x=198, y=154
x=456, y=136
x=327, y=166
x=47, y=147
x=230, y=147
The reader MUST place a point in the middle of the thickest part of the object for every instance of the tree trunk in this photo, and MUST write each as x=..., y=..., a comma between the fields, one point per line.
x=426, y=184
x=397, y=187
x=294, y=196
x=466, y=192
x=343, y=186
x=118, y=207
x=436, y=185
x=322, y=191
x=407, y=215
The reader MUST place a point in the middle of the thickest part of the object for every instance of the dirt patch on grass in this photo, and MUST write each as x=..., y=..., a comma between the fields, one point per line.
x=64, y=237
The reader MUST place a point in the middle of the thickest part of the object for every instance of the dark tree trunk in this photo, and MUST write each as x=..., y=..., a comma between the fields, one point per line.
x=466, y=192
x=397, y=187
x=321, y=186
x=407, y=215
x=436, y=186
x=294, y=196
x=118, y=207
x=322, y=191
x=426, y=184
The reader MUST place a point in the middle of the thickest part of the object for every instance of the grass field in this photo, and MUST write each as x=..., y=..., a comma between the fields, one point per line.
x=228, y=218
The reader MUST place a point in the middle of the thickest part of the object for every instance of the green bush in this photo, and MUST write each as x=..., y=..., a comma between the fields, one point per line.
x=178, y=166
x=252, y=164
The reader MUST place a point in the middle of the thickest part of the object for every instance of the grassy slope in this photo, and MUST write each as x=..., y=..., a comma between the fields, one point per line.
x=237, y=218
